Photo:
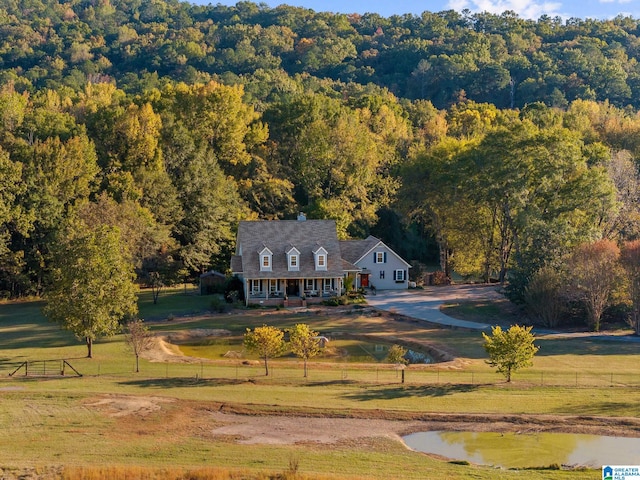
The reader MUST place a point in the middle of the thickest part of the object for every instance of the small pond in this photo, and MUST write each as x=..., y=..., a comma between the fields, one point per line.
x=512, y=450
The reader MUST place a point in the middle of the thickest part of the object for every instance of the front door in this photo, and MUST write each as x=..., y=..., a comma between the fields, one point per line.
x=293, y=289
x=364, y=280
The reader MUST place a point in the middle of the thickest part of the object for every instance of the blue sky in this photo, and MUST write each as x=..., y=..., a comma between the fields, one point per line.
x=533, y=9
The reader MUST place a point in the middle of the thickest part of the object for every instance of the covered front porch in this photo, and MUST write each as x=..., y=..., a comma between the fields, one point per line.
x=274, y=291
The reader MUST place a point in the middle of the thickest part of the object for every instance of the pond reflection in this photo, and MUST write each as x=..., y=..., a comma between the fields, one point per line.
x=511, y=450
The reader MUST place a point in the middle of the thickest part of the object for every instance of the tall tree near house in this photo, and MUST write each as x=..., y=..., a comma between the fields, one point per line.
x=143, y=237
x=304, y=343
x=139, y=339
x=630, y=260
x=92, y=286
x=214, y=207
x=339, y=166
x=546, y=196
x=57, y=176
x=595, y=273
x=209, y=196
x=267, y=341
x=431, y=193
x=217, y=114
x=623, y=222
x=510, y=350
x=11, y=186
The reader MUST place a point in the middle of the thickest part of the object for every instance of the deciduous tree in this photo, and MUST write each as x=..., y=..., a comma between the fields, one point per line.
x=92, y=287
x=304, y=343
x=594, y=275
x=267, y=341
x=396, y=355
x=630, y=260
x=510, y=350
x=139, y=339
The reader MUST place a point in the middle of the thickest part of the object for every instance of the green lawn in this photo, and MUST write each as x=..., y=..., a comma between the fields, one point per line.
x=173, y=302
x=50, y=421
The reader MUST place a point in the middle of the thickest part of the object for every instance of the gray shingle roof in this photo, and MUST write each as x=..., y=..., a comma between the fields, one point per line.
x=279, y=236
x=353, y=250
x=236, y=264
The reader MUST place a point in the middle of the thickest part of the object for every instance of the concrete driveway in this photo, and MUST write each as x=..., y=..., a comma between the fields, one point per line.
x=425, y=304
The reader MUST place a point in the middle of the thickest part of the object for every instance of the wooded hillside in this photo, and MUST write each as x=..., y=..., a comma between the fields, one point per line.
x=490, y=143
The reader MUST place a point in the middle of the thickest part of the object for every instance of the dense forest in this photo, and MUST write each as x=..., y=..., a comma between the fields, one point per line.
x=490, y=144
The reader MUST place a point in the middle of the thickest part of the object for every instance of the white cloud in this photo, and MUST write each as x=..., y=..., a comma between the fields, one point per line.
x=524, y=8
x=458, y=5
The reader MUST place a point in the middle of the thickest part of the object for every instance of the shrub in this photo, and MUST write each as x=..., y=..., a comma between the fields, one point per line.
x=234, y=289
x=544, y=298
x=218, y=305
x=440, y=278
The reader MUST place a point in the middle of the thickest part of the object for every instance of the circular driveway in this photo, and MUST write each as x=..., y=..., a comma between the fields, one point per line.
x=425, y=304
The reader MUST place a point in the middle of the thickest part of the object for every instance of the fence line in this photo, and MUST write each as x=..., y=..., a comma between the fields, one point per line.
x=280, y=372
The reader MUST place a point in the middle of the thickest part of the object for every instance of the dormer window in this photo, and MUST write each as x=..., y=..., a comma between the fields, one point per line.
x=293, y=259
x=266, y=257
x=320, y=257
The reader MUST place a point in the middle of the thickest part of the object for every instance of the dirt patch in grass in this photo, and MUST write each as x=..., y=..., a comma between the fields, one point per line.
x=124, y=406
x=165, y=346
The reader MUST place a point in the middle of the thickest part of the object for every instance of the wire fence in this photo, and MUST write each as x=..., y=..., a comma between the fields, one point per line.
x=286, y=372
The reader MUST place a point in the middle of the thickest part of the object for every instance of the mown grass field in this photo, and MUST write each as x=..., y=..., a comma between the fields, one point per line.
x=59, y=421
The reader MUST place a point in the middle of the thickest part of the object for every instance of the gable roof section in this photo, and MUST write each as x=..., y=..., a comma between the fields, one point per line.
x=278, y=236
x=354, y=251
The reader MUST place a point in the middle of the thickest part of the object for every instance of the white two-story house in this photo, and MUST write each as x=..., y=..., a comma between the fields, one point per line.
x=302, y=258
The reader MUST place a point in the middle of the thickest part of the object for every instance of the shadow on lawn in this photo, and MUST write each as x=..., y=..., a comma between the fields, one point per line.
x=396, y=392
x=30, y=338
x=589, y=345
x=174, y=382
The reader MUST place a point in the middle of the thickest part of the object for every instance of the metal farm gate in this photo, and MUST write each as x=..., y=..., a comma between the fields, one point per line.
x=45, y=368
